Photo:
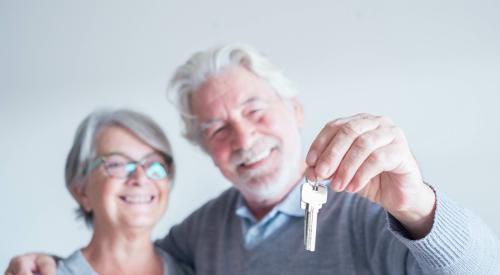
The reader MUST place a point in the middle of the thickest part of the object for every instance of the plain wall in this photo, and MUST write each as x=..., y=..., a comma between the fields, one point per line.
x=432, y=66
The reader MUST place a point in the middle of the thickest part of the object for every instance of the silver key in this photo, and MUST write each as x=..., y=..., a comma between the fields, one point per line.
x=312, y=198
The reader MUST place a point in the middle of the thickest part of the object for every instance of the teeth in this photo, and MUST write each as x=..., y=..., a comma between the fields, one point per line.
x=257, y=157
x=138, y=199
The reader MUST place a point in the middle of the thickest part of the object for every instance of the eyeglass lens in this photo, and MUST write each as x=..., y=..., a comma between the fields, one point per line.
x=121, y=167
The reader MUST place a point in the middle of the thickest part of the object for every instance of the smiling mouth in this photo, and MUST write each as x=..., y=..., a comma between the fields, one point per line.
x=255, y=159
x=138, y=199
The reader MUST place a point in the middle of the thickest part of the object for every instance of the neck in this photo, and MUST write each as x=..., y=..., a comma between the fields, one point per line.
x=119, y=250
x=260, y=208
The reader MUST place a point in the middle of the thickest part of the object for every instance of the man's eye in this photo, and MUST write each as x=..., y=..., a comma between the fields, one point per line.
x=219, y=132
x=256, y=113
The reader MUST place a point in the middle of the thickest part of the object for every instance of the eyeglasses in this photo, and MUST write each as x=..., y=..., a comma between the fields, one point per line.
x=122, y=167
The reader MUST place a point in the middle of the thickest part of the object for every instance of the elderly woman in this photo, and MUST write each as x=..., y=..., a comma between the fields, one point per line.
x=120, y=171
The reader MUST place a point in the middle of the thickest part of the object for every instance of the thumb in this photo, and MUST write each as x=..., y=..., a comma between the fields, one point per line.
x=46, y=265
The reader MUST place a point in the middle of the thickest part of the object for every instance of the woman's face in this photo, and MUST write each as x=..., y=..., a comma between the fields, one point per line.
x=125, y=203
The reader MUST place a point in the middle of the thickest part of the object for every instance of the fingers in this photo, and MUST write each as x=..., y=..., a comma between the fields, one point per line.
x=381, y=160
x=21, y=265
x=28, y=264
x=336, y=139
x=46, y=265
x=310, y=174
x=361, y=149
x=323, y=138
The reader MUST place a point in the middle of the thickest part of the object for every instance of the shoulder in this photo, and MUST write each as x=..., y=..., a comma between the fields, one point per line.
x=173, y=267
x=184, y=237
x=217, y=208
x=75, y=264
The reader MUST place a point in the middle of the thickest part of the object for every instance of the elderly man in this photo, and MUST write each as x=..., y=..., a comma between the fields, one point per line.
x=381, y=218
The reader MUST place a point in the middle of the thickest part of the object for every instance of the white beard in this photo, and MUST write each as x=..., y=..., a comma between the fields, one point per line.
x=259, y=185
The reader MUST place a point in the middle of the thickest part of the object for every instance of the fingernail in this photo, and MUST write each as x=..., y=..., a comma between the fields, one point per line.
x=310, y=175
x=312, y=157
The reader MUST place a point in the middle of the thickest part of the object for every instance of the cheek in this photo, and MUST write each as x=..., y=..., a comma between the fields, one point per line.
x=164, y=190
x=278, y=126
x=102, y=191
x=286, y=130
x=164, y=194
x=220, y=154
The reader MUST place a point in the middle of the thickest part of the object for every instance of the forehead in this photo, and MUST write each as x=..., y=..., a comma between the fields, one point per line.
x=229, y=89
x=115, y=139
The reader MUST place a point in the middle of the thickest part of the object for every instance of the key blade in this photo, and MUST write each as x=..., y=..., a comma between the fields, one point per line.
x=311, y=223
x=306, y=226
x=313, y=196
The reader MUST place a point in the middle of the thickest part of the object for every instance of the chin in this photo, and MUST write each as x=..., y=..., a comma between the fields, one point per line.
x=140, y=221
x=267, y=188
x=140, y=224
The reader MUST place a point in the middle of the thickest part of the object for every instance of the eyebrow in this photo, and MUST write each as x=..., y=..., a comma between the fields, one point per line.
x=252, y=100
x=210, y=123
x=204, y=125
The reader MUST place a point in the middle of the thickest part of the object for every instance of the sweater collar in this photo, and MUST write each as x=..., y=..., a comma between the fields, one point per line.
x=289, y=206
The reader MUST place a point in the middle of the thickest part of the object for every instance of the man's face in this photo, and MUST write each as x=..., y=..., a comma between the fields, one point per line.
x=251, y=133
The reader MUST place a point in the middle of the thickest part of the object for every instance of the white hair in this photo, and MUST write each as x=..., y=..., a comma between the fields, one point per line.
x=205, y=64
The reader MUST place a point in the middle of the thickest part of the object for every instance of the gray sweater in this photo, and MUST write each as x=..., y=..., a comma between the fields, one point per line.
x=354, y=236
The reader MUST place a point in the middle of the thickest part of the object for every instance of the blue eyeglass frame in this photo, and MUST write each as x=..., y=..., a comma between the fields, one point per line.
x=131, y=165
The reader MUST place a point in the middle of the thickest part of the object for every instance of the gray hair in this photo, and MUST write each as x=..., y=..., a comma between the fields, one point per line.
x=202, y=65
x=83, y=150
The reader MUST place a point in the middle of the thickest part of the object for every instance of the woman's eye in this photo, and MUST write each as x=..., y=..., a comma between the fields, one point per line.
x=114, y=164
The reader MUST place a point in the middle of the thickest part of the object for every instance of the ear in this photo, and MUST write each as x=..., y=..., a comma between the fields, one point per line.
x=298, y=110
x=80, y=194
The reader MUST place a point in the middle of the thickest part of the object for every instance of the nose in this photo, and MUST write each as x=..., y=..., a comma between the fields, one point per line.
x=243, y=135
x=138, y=176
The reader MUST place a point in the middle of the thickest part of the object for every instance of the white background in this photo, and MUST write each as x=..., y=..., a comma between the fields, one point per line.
x=432, y=66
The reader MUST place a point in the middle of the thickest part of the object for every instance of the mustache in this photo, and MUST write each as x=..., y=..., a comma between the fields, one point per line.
x=262, y=144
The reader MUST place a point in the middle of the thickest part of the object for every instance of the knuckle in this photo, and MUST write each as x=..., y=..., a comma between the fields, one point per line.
x=330, y=128
x=376, y=157
x=364, y=142
x=332, y=154
x=42, y=262
x=385, y=120
x=332, y=124
x=328, y=159
x=319, y=141
x=349, y=129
